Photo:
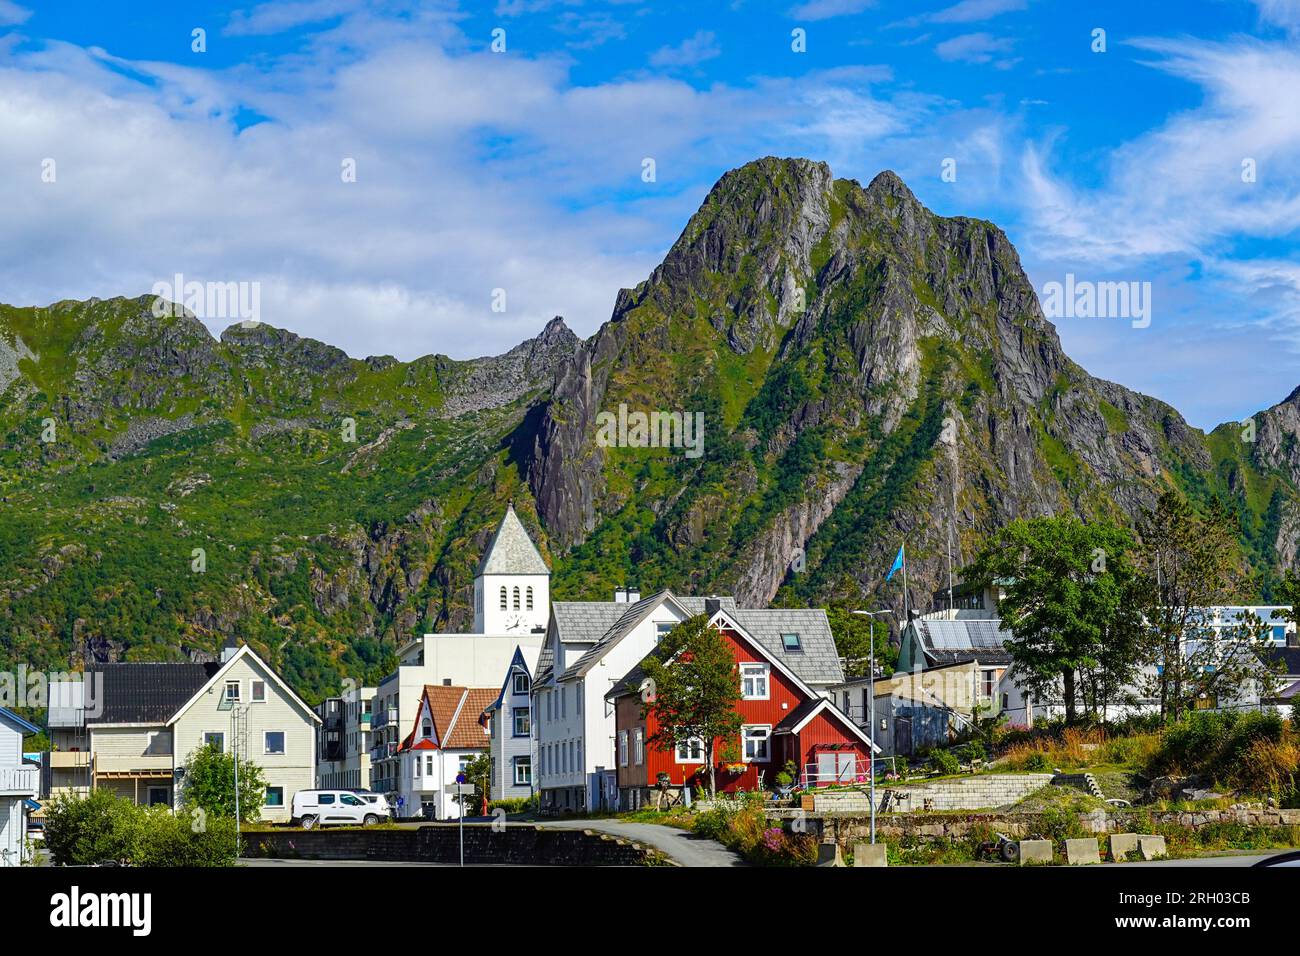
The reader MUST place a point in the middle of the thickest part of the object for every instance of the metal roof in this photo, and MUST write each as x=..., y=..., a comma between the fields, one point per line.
x=511, y=550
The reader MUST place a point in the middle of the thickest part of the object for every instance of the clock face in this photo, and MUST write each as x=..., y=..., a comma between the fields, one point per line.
x=515, y=622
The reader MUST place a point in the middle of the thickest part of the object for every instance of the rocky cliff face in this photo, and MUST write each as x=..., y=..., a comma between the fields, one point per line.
x=864, y=373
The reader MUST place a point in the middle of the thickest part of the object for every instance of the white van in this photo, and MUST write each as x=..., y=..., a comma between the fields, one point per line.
x=336, y=807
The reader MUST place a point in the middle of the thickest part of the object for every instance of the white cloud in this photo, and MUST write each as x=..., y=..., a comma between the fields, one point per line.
x=11, y=14
x=1282, y=13
x=977, y=48
x=695, y=49
x=474, y=172
x=966, y=11
x=826, y=9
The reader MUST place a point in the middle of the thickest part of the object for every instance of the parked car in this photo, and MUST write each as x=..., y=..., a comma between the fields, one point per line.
x=337, y=808
x=374, y=799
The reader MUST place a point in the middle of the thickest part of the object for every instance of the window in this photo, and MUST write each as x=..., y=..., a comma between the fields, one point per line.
x=755, y=738
x=274, y=742
x=232, y=691
x=529, y=598
x=577, y=699
x=988, y=682
x=350, y=801
x=521, y=683
x=463, y=762
x=638, y=747
x=275, y=796
x=516, y=599
x=428, y=765
x=503, y=598
x=550, y=706
x=662, y=628
x=523, y=771
x=753, y=681
x=791, y=642
x=426, y=729
x=522, y=723
x=215, y=739
x=325, y=799
x=258, y=689
x=690, y=751
x=622, y=748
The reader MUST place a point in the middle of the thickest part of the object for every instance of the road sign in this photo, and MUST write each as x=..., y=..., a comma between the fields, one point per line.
x=463, y=788
x=460, y=778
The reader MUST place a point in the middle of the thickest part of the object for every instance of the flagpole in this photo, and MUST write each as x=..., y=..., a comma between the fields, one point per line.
x=906, y=616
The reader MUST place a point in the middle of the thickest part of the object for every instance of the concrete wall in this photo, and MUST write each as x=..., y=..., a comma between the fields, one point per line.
x=517, y=844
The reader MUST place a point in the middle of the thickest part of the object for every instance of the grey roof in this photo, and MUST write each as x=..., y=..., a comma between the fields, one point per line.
x=577, y=622
x=815, y=663
x=948, y=641
x=146, y=692
x=633, y=614
x=511, y=550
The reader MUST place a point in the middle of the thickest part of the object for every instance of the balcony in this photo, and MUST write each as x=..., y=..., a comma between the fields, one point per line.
x=69, y=759
x=382, y=718
x=144, y=765
x=20, y=781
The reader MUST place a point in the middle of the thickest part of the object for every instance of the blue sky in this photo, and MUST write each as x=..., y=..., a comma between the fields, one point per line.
x=521, y=170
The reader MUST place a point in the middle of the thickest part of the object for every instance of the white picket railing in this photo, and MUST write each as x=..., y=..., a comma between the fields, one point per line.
x=24, y=781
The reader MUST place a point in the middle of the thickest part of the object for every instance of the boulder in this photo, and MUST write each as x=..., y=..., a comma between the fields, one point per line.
x=1082, y=852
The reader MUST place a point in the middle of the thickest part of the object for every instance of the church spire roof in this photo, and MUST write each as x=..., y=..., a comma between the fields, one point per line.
x=511, y=550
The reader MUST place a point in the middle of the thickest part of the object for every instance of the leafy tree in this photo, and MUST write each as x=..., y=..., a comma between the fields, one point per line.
x=696, y=690
x=103, y=827
x=1191, y=563
x=854, y=634
x=1069, y=604
x=210, y=784
x=479, y=773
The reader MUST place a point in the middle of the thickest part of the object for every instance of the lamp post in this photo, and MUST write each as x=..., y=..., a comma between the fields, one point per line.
x=871, y=708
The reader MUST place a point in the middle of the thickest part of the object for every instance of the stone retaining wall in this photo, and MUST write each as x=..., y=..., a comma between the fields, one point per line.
x=846, y=829
x=517, y=844
x=978, y=792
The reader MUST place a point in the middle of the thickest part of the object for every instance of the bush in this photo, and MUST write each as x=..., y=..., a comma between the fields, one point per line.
x=515, y=804
x=1252, y=751
x=945, y=762
x=1036, y=762
x=103, y=827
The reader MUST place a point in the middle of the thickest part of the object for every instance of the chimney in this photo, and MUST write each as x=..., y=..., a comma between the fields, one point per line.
x=620, y=595
x=229, y=649
x=712, y=605
x=633, y=595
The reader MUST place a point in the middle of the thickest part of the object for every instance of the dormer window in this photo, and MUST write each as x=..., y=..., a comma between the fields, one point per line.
x=426, y=730
x=791, y=643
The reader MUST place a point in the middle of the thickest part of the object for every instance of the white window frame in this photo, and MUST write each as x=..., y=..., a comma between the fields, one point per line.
x=767, y=741
x=520, y=684
x=677, y=751
x=622, y=748
x=215, y=733
x=638, y=747
x=275, y=753
x=239, y=692
x=523, y=762
x=252, y=691
x=752, y=671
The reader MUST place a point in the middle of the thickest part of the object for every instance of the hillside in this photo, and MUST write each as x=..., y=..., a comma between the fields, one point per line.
x=866, y=370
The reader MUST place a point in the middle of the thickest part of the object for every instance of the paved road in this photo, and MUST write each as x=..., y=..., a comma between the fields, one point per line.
x=1226, y=859
x=683, y=847
x=260, y=862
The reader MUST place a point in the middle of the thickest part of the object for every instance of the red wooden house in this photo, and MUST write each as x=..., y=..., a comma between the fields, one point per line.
x=785, y=721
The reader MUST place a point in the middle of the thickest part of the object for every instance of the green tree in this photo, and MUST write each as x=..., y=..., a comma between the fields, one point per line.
x=210, y=784
x=694, y=692
x=1069, y=604
x=479, y=773
x=1191, y=562
x=854, y=635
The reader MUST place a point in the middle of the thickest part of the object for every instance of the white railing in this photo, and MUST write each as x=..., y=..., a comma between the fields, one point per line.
x=24, y=781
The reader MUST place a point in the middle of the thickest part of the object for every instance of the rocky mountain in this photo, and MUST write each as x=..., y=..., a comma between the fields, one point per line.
x=863, y=370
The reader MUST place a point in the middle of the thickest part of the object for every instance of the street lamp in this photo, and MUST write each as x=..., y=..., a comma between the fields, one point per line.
x=871, y=706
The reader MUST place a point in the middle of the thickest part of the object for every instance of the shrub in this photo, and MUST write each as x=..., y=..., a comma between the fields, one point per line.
x=515, y=804
x=945, y=762
x=103, y=827
x=1036, y=762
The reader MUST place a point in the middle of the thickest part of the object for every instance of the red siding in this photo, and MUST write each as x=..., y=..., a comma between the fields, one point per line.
x=824, y=731
x=783, y=699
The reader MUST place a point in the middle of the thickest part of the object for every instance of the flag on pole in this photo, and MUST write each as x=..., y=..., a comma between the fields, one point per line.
x=898, y=563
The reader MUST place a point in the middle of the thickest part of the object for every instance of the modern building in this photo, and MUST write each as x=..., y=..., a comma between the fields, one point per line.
x=512, y=600
x=591, y=645
x=787, y=724
x=510, y=725
x=447, y=734
x=140, y=722
x=343, y=745
x=19, y=784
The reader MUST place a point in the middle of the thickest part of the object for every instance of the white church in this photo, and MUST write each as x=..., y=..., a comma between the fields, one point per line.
x=512, y=604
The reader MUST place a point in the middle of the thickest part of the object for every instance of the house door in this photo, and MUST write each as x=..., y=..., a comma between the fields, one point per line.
x=903, y=736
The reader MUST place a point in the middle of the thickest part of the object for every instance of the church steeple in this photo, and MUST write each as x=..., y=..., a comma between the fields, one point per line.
x=512, y=584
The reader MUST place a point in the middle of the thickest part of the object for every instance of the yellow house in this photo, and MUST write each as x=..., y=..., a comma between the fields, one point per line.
x=133, y=726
